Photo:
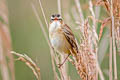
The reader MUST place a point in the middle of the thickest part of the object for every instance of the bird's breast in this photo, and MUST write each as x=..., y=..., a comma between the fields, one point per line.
x=57, y=40
x=54, y=26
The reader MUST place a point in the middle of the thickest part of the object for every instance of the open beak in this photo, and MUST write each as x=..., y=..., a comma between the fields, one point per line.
x=55, y=19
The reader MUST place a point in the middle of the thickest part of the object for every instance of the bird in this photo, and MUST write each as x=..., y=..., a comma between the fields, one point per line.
x=61, y=37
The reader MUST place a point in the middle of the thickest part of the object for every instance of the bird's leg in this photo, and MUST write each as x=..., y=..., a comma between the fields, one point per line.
x=63, y=61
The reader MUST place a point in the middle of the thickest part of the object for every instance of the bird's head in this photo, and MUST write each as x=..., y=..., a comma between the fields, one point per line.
x=55, y=22
x=56, y=17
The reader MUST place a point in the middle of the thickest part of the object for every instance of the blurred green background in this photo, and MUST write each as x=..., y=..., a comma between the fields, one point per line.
x=27, y=37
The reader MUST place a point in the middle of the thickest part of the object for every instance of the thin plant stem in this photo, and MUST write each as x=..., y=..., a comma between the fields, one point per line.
x=6, y=38
x=77, y=2
x=110, y=60
x=59, y=7
x=113, y=39
x=37, y=16
x=43, y=13
x=100, y=72
x=3, y=63
x=95, y=41
x=46, y=37
x=63, y=69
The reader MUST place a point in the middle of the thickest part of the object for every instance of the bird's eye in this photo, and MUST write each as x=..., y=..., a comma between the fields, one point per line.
x=53, y=15
x=58, y=15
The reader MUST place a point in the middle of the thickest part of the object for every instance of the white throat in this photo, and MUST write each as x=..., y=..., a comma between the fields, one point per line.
x=54, y=26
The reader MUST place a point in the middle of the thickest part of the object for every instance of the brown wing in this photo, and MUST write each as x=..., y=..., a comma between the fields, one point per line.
x=70, y=37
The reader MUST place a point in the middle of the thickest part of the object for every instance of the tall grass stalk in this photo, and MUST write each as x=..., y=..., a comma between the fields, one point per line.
x=59, y=6
x=43, y=13
x=46, y=37
x=77, y=2
x=113, y=40
x=3, y=63
x=5, y=43
x=64, y=68
x=110, y=60
x=29, y=62
x=94, y=33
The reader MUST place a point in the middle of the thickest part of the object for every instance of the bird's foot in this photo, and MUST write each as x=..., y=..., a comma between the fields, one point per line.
x=60, y=65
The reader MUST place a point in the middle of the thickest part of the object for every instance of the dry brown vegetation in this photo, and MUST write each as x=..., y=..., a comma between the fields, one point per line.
x=87, y=64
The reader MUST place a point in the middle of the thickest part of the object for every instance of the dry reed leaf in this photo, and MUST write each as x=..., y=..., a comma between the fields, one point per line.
x=105, y=22
x=106, y=4
x=99, y=2
x=29, y=62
